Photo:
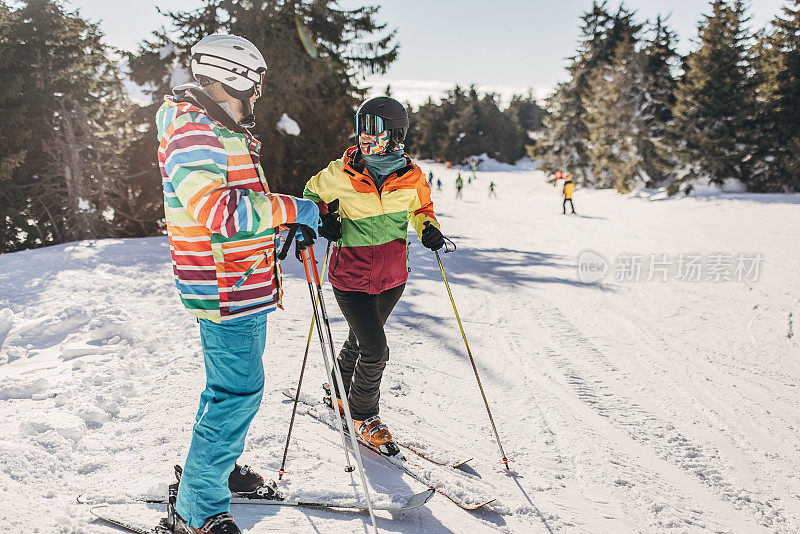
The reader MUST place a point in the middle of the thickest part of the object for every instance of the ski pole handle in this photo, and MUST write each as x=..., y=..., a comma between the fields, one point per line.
x=333, y=205
x=289, y=238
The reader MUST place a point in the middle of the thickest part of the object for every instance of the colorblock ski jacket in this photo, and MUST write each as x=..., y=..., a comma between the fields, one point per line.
x=372, y=254
x=221, y=217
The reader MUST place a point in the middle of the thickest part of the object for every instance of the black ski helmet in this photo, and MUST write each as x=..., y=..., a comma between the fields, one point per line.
x=393, y=113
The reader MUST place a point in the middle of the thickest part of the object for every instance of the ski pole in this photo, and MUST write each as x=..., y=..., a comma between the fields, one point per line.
x=300, y=381
x=315, y=321
x=472, y=360
x=333, y=371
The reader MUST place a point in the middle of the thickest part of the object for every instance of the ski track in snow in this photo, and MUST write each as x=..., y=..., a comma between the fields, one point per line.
x=624, y=406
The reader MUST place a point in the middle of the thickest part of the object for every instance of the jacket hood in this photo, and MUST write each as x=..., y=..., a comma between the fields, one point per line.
x=190, y=98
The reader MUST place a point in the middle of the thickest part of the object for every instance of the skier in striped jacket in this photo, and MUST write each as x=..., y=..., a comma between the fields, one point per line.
x=380, y=190
x=221, y=221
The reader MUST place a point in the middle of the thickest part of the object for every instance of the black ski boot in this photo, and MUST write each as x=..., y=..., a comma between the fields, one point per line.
x=219, y=524
x=244, y=480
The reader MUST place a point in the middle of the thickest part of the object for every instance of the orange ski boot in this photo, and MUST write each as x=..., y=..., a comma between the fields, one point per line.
x=374, y=432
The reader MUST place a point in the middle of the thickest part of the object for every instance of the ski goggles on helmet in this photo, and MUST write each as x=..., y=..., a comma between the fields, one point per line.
x=257, y=85
x=369, y=124
x=254, y=75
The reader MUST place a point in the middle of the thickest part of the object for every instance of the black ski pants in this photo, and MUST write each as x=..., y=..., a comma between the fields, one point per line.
x=564, y=206
x=365, y=353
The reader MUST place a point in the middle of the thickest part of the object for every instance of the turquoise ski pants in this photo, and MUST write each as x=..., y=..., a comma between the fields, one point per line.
x=234, y=385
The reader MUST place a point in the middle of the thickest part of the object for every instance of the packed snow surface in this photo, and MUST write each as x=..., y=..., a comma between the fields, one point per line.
x=644, y=401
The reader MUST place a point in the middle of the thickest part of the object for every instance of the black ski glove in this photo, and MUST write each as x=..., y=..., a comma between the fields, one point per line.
x=302, y=241
x=331, y=228
x=308, y=236
x=431, y=237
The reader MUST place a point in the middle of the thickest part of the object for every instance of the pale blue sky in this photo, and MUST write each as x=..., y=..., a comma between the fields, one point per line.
x=501, y=45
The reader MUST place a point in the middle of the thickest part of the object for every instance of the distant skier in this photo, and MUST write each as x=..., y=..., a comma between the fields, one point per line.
x=220, y=221
x=567, y=191
x=459, y=186
x=492, y=192
x=369, y=262
x=430, y=179
x=438, y=184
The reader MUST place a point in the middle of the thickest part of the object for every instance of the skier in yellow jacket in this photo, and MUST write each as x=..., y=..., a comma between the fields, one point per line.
x=569, y=187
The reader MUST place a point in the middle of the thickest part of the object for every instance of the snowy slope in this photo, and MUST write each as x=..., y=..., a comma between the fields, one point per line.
x=650, y=406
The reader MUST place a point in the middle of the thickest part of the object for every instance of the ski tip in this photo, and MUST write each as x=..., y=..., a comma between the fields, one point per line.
x=460, y=463
x=419, y=499
x=481, y=504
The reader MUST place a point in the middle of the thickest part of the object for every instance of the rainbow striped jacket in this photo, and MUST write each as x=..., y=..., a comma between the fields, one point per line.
x=221, y=217
x=372, y=254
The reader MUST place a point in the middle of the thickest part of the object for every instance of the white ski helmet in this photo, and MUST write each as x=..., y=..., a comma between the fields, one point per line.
x=232, y=60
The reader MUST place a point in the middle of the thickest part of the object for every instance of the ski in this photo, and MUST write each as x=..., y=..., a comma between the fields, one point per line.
x=114, y=517
x=456, y=486
x=133, y=520
x=414, y=501
x=439, y=453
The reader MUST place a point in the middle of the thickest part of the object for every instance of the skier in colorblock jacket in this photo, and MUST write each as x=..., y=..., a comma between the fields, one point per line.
x=221, y=222
x=380, y=190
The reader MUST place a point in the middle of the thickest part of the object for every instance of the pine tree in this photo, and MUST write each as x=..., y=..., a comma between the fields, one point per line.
x=778, y=90
x=502, y=136
x=715, y=100
x=448, y=111
x=613, y=117
x=467, y=128
x=659, y=85
x=525, y=111
x=527, y=116
x=16, y=137
x=57, y=75
x=564, y=144
x=320, y=94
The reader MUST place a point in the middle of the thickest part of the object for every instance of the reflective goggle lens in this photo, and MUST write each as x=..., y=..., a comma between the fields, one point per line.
x=369, y=124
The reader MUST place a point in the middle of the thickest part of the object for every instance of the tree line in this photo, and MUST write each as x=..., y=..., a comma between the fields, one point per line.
x=465, y=123
x=634, y=112
x=78, y=158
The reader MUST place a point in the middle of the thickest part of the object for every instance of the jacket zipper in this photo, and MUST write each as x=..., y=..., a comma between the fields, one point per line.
x=249, y=271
